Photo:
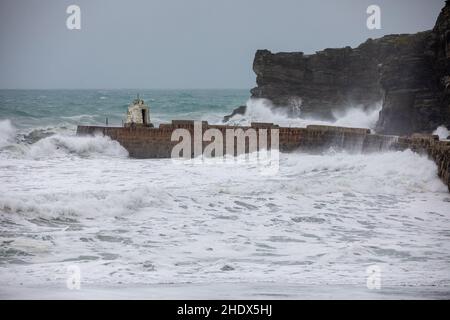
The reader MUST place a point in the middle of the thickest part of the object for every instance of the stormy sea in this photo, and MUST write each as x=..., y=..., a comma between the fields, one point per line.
x=79, y=208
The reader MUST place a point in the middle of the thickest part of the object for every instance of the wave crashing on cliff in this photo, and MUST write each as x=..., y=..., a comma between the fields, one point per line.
x=442, y=132
x=262, y=110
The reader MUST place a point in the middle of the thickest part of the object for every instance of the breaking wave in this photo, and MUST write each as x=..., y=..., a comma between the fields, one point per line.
x=46, y=143
x=98, y=186
x=442, y=132
x=60, y=145
x=7, y=133
x=186, y=221
x=393, y=172
x=262, y=110
x=356, y=117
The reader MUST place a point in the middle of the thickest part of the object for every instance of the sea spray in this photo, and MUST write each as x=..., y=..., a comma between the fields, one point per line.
x=41, y=145
x=356, y=117
x=7, y=133
x=442, y=132
x=262, y=110
x=64, y=145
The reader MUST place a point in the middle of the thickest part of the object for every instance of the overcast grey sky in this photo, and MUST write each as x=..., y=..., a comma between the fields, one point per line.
x=180, y=43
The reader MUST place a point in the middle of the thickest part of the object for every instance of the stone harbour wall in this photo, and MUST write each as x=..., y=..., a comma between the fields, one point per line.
x=146, y=142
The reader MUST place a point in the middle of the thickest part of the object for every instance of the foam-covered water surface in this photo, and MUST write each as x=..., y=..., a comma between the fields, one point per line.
x=318, y=223
x=322, y=219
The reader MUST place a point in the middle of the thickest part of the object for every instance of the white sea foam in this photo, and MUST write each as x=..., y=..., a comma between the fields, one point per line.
x=262, y=110
x=7, y=133
x=357, y=117
x=63, y=145
x=320, y=221
x=442, y=132
x=42, y=145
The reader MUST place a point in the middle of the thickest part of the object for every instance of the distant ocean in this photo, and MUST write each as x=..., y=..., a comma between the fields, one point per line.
x=155, y=229
x=66, y=108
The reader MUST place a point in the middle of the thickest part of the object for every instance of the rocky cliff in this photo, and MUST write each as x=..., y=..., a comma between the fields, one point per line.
x=408, y=74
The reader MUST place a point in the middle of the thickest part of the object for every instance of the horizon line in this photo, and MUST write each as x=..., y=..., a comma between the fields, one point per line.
x=108, y=89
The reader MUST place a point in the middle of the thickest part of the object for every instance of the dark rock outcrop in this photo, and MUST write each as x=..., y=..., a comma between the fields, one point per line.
x=410, y=89
x=328, y=80
x=409, y=74
x=239, y=110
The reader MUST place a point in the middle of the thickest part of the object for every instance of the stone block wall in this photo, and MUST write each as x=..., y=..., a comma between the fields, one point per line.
x=146, y=142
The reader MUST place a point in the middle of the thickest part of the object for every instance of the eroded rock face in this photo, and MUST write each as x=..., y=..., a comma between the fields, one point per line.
x=239, y=110
x=328, y=80
x=408, y=73
x=441, y=58
x=410, y=89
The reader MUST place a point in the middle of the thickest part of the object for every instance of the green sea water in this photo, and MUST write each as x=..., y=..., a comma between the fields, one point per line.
x=68, y=108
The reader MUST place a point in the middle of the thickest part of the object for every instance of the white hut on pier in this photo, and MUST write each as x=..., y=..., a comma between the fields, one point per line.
x=138, y=114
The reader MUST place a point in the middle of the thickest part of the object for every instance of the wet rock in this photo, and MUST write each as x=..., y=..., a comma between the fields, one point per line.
x=149, y=266
x=109, y=256
x=239, y=110
x=37, y=135
x=227, y=268
x=409, y=73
